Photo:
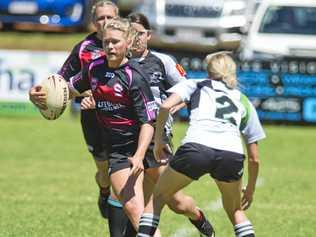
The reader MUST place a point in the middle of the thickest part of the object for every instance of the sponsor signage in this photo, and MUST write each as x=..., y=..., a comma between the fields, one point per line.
x=19, y=71
x=281, y=90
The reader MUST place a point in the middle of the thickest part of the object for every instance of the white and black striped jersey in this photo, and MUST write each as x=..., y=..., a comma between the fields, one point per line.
x=163, y=73
x=218, y=115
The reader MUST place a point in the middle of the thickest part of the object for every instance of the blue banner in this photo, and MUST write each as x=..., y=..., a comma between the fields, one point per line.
x=281, y=90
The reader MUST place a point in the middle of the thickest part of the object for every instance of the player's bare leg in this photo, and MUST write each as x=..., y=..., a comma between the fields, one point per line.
x=178, y=202
x=164, y=194
x=231, y=198
x=129, y=190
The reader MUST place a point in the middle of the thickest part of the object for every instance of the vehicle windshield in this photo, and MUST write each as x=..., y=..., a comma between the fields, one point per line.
x=289, y=20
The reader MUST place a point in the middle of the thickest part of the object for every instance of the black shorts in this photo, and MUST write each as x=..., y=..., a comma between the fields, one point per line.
x=150, y=161
x=118, y=158
x=194, y=160
x=96, y=138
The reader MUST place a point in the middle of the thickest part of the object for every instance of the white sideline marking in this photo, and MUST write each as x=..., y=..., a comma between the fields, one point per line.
x=260, y=182
x=215, y=205
x=183, y=232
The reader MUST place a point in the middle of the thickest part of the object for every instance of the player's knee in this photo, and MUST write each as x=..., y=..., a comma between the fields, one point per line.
x=177, y=207
x=133, y=208
x=179, y=203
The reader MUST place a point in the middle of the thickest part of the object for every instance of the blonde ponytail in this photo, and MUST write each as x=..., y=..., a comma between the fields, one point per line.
x=221, y=66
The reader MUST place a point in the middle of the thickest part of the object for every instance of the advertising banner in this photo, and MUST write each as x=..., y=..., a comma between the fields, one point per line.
x=19, y=71
x=282, y=89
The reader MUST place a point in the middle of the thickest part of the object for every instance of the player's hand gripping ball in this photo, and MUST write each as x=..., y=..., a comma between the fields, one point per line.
x=57, y=96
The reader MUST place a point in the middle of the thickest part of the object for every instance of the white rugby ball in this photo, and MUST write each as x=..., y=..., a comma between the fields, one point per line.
x=57, y=96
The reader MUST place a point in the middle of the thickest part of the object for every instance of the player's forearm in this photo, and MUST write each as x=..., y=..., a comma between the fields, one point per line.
x=253, y=164
x=74, y=93
x=176, y=108
x=145, y=136
x=164, y=110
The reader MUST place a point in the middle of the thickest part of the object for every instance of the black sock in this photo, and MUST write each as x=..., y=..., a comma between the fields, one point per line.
x=130, y=230
x=117, y=220
x=203, y=225
x=199, y=221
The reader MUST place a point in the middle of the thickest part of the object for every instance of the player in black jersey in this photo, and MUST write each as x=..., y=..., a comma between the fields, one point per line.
x=96, y=139
x=126, y=108
x=82, y=54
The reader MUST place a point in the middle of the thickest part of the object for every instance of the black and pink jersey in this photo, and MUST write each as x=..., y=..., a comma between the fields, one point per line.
x=82, y=54
x=123, y=98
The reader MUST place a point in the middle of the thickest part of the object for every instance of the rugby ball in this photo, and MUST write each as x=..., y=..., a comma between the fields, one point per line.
x=57, y=96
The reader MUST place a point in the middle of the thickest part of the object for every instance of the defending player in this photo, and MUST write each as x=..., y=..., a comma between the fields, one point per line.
x=219, y=115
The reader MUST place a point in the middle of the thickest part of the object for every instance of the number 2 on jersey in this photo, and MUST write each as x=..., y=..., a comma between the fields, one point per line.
x=225, y=109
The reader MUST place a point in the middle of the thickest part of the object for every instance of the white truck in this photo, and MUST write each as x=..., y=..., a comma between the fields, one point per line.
x=196, y=24
x=282, y=28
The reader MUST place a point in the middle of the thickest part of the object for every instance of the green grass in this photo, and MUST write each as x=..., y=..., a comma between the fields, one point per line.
x=47, y=184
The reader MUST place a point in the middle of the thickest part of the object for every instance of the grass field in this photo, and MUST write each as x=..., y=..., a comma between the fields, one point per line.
x=47, y=184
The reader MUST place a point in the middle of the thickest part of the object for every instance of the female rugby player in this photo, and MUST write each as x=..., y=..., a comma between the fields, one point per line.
x=220, y=116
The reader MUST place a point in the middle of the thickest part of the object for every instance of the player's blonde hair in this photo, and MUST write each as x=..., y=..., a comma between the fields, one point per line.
x=102, y=3
x=221, y=66
x=124, y=25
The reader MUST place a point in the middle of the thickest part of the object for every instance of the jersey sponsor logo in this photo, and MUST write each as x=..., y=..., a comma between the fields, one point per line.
x=108, y=106
x=181, y=70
